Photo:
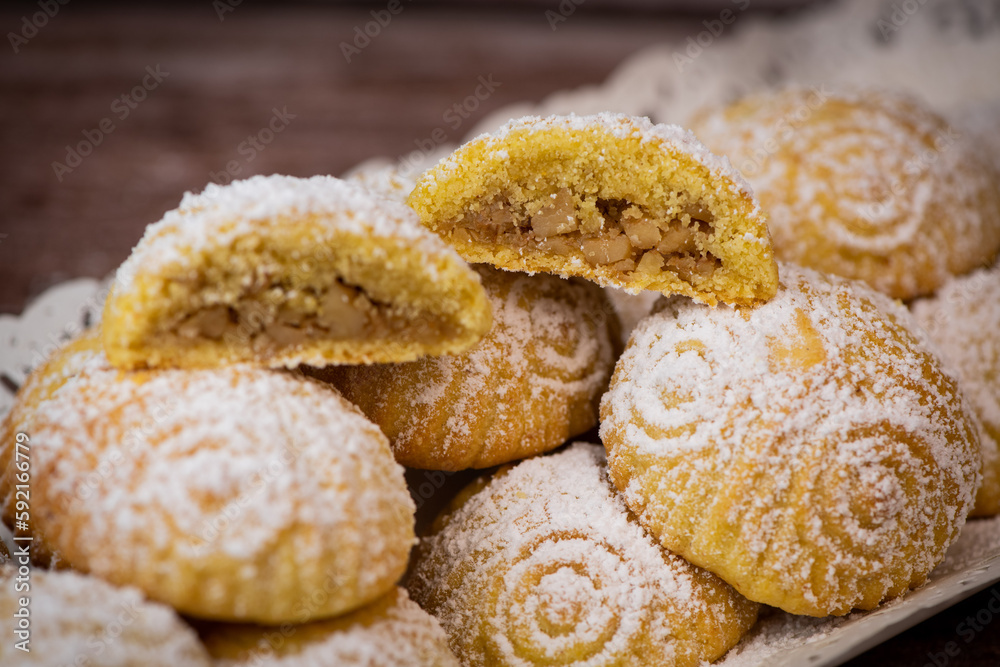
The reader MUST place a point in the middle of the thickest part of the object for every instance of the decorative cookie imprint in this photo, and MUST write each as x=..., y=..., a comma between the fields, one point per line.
x=963, y=318
x=868, y=186
x=543, y=565
x=391, y=632
x=281, y=271
x=531, y=384
x=810, y=451
x=614, y=199
x=81, y=620
x=234, y=494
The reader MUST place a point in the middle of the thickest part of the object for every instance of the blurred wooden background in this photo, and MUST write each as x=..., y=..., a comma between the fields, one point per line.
x=224, y=79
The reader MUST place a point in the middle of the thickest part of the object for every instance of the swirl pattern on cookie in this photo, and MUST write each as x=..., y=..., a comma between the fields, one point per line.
x=544, y=565
x=963, y=318
x=533, y=382
x=80, y=620
x=810, y=451
x=234, y=494
x=611, y=198
x=870, y=185
x=281, y=271
x=390, y=632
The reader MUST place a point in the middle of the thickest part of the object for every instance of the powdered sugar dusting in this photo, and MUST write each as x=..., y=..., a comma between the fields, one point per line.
x=77, y=619
x=829, y=374
x=190, y=466
x=545, y=560
x=784, y=640
x=403, y=635
x=843, y=172
x=545, y=335
x=963, y=318
x=672, y=138
x=223, y=213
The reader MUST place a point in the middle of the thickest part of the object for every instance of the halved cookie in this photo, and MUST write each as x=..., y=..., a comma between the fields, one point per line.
x=611, y=198
x=281, y=271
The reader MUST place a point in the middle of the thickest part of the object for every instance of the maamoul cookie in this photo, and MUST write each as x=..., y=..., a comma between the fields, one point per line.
x=810, y=451
x=532, y=383
x=864, y=185
x=236, y=494
x=390, y=632
x=963, y=318
x=76, y=619
x=280, y=271
x=544, y=565
x=383, y=179
x=610, y=198
x=63, y=364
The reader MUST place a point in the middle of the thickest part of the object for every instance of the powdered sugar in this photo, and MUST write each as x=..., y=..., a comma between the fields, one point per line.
x=546, y=560
x=223, y=213
x=77, y=619
x=827, y=374
x=672, y=138
x=403, y=635
x=177, y=468
x=963, y=318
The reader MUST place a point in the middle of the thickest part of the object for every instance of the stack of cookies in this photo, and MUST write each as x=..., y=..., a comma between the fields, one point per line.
x=226, y=450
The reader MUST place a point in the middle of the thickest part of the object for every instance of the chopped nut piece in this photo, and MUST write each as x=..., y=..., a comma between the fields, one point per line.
x=606, y=250
x=677, y=238
x=557, y=245
x=641, y=231
x=705, y=266
x=651, y=262
x=343, y=311
x=210, y=322
x=285, y=335
x=557, y=218
x=698, y=211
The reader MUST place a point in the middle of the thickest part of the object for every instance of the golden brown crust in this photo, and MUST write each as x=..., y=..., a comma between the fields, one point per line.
x=810, y=451
x=543, y=565
x=390, y=632
x=609, y=198
x=236, y=494
x=964, y=320
x=869, y=186
x=64, y=364
x=532, y=383
x=76, y=619
x=280, y=271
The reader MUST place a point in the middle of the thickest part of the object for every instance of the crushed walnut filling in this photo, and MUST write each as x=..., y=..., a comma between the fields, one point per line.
x=607, y=232
x=274, y=316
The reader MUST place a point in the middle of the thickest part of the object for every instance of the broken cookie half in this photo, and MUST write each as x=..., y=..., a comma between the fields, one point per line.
x=281, y=271
x=609, y=197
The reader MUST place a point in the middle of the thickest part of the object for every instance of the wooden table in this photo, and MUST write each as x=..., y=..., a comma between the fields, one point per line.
x=221, y=82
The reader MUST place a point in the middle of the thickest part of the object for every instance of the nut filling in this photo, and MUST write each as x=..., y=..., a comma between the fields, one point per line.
x=607, y=232
x=275, y=316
